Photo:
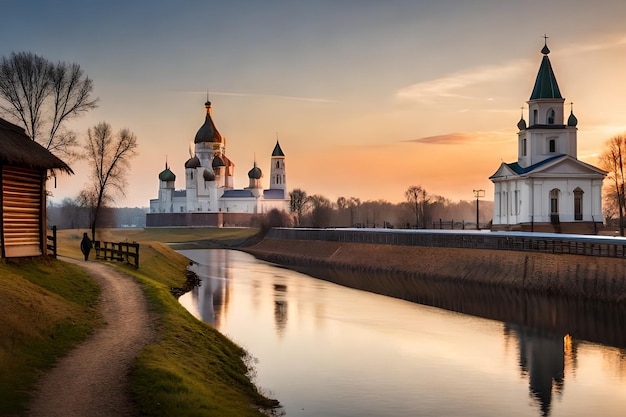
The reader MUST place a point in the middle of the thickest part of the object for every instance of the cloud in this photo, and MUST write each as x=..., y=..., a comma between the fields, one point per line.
x=465, y=138
x=452, y=85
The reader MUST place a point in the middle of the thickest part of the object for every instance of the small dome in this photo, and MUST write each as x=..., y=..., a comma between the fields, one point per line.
x=192, y=162
x=208, y=175
x=217, y=162
x=521, y=125
x=255, y=173
x=572, y=120
x=167, y=175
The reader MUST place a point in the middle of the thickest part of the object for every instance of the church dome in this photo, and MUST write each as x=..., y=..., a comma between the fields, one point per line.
x=572, y=120
x=192, y=162
x=217, y=162
x=208, y=175
x=208, y=132
x=521, y=125
x=167, y=175
x=255, y=172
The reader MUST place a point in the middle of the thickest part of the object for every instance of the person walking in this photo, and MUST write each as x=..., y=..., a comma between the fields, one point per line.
x=85, y=245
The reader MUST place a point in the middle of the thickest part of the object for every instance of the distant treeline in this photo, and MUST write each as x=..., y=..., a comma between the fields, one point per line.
x=318, y=211
x=70, y=215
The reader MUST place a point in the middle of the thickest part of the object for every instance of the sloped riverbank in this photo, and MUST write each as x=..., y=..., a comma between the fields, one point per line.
x=401, y=268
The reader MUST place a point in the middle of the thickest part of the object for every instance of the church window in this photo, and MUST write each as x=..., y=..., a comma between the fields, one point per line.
x=535, y=116
x=551, y=116
x=191, y=174
x=524, y=147
x=277, y=179
x=277, y=164
x=578, y=204
x=554, y=201
x=516, y=203
x=181, y=209
x=552, y=146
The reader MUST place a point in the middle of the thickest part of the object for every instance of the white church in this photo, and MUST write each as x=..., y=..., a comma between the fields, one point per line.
x=209, y=197
x=547, y=189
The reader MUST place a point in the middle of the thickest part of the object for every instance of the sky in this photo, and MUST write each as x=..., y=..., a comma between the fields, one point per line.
x=367, y=98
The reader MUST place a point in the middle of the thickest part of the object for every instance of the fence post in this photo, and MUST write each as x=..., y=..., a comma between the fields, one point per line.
x=54, y=241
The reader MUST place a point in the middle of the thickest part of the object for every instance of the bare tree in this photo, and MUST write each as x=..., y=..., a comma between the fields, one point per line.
x=322, y=210
x=109, y=159
x=416, y=197
x=41, y=96
x=298, y=203
x=612, y=160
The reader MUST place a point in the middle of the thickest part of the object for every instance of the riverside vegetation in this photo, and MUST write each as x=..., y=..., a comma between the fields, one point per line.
x=50, y=306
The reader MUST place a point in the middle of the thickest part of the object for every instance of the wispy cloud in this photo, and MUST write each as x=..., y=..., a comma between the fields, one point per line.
x=278, y=96
x=576, y=49
x=465, y=138
x=452, y=85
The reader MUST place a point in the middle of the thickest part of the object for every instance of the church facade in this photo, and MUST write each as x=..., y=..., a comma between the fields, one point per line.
x=547, y=189
x=209, y=197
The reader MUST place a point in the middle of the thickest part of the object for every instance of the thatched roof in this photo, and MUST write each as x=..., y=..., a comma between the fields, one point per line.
x=17, y=149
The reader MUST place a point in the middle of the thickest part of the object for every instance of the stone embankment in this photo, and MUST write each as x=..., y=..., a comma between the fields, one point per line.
x=399, y=270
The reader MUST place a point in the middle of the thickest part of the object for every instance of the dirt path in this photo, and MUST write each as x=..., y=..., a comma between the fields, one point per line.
x=93, y=379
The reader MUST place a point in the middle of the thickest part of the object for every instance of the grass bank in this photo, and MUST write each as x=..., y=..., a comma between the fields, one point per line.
x=47, y=307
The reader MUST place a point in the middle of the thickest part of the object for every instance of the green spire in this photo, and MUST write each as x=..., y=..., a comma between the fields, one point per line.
x=545, y=84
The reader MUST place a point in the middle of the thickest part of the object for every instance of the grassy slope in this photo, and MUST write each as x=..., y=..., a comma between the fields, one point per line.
x=46, y=308
x=193, y=370
x=49, y=306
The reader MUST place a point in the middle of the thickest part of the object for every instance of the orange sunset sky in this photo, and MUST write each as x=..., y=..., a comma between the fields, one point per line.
x=367, y=97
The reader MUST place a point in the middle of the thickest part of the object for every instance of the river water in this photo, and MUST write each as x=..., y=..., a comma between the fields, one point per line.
x=324, y=350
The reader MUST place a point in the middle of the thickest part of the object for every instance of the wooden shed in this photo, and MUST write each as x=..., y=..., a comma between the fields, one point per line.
x=24, y=168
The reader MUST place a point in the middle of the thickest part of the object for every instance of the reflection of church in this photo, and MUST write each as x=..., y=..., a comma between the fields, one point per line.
x=209, y=197
x=543, y=358
x=547, y=188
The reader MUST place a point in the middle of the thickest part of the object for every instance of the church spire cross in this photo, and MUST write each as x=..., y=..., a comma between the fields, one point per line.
x=545, y=50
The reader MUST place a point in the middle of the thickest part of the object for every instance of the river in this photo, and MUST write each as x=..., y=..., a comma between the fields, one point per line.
x=325, y=350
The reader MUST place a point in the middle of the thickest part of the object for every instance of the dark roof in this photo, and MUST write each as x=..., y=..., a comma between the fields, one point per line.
x=192, y=162
x=17, y=149
x=208, y=132
x=208, y=175
x=217, y=162
x=255, y=172
x=545, y=84
x=274, y=194
x=167, y=175
x=237, y=194
x=277, y=151
x=520, y=170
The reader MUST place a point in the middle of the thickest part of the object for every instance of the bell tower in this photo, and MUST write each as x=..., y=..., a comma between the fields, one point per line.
x=278, y=178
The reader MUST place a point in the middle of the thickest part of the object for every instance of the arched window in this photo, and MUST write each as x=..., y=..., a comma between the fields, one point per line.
x=554, y=206
x=277, y=164
x=554, y=201
x=524, y=147
x=578, y=204
x=552, y=146
x=535, y=116
x=551, y=116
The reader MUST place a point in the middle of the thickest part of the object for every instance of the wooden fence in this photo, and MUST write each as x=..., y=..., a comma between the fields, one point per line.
x=613, y=247
x=51, y=243
x=118, y=251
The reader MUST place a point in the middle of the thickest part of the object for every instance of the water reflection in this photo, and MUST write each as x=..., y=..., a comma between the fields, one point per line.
x=332, y=351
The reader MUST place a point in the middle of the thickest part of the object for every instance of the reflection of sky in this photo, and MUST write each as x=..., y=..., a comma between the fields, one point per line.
x=332, y=351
